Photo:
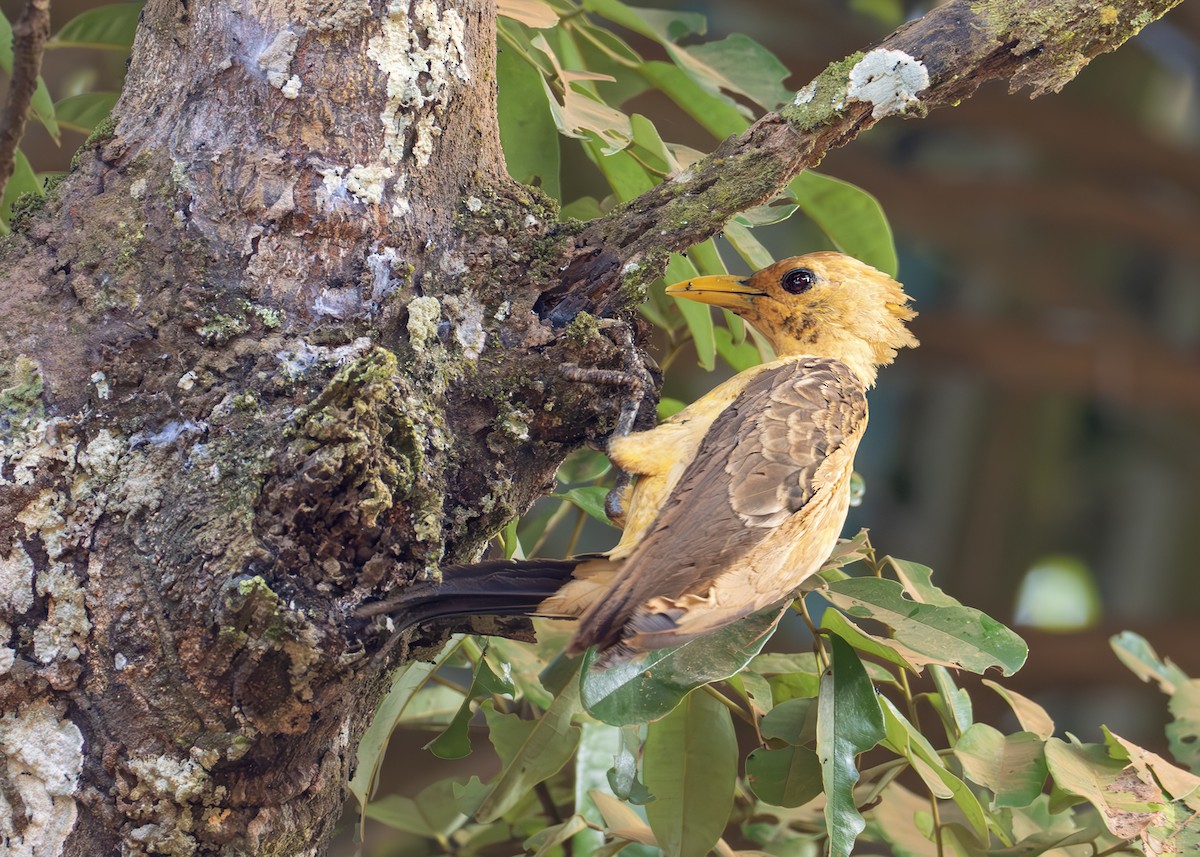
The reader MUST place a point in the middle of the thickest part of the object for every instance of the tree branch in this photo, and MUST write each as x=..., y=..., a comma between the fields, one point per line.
x=935, y=61
x=30, y=33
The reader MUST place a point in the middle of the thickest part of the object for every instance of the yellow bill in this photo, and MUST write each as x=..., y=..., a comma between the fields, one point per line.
x=723, y=290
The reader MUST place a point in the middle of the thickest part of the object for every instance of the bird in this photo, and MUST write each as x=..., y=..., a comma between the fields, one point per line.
x=737, y=498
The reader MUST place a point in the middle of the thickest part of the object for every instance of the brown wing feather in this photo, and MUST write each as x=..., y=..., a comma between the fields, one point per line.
x=754, y=468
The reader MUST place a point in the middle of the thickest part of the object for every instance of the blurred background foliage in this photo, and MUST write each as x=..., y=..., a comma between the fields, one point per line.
x=1041, y=449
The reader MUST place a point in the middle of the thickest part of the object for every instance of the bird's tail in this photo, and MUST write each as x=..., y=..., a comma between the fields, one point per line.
x=490, y=588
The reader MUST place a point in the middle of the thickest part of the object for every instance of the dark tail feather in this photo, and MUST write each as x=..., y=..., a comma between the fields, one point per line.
x=494, y=588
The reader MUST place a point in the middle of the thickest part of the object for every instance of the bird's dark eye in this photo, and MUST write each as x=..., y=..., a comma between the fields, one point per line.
x=798, y=280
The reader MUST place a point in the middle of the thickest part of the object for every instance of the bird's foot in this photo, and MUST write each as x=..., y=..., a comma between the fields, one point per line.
x=636, y=379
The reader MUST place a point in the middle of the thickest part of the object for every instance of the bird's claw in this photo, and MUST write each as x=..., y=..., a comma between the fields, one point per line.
x=636, y=379
x=614, y=500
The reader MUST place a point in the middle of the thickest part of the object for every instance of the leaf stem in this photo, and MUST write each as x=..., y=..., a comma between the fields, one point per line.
x=729, y=703
x=556, y=517
x=1123, y=845
x=934, y=812
x=723, y=849
x=818, y=644
x=580, y=517
x=547, y=801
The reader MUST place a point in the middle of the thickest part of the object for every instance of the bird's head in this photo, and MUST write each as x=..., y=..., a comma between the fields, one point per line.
x=821, y=304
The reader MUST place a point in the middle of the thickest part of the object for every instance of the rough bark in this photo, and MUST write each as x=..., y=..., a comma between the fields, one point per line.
x=288, y=338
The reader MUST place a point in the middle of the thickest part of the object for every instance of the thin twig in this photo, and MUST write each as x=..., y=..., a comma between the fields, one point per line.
x=729, y=703
x=818, y=645
x=30, y=32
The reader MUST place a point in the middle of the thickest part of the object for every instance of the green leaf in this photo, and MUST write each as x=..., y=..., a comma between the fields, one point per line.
x=849, y=722
x=582, y=111
x=832, y=620
x=432, y=709
x=531, y=13
x=1032, y=717
x=697, y=315
x=468, y=795
x=590, y=499
x=650, y=147
x=1125, y=802
x=584, y=208
x=528, y=134
x=406, y=683
x=599, y=743
x=583, y=465
x=84, y=112
x=455, y=742
x=718, y=114
x=740, y=64
x=42, y=107
x=792, y=722
x=519, y=663
x=904, y=739
x=1176, y=783
x=648, y=687
x=622, y=821
x=661, y=25
x=1183, y=733
x=623, y=172
x=1012, y=766
x=24, y=180
x=748, y=247
x=896, y=820
x=778, y=663
x=1139, y=656
x=690, y=764
x=107, y=27
x=952, y=636
x=531, y=751
x=754, y=690
x=668, y=407
x=739, y=357
x=918, y=583
x=953, y=701
x=623, y=775
x=789, y=776
x=434, y=813
x=546, y=840
x=851, y=218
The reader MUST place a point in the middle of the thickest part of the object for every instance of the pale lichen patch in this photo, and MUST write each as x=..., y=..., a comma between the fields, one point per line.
x=422, y=54
x=276, y=59
x=337, y=15
x=889, y=80
x=368, y=183
x=16, y=580
x=180, y=780
x=43, y=757
x=468, y=331
x=291, y=88
x=66, y=618
x=100, y=461
x=424, y=313
x=805, y=95
x=382, y=265
x=103, y=390
x=43, y=516
x=296, y=360
x=340, y=303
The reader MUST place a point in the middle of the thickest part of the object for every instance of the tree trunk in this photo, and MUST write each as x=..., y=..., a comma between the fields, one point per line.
x=287, y=338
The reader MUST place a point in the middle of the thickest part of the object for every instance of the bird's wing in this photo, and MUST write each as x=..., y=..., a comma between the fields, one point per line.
x=757, y=465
